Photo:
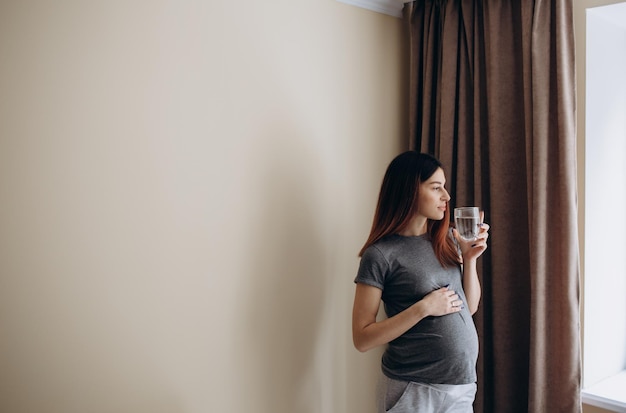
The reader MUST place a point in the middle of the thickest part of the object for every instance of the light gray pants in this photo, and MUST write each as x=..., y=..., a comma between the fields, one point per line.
x=395, y=396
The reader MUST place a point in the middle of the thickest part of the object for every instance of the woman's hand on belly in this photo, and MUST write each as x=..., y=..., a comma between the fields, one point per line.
x=442, y=302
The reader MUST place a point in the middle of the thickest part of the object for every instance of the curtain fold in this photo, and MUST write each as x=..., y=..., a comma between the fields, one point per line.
x=492, y=94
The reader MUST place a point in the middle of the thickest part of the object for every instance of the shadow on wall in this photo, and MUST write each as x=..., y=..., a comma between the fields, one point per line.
x=286, y=280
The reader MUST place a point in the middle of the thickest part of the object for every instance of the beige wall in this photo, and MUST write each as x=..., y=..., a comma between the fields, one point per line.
x=184, y=187
x=593, y=409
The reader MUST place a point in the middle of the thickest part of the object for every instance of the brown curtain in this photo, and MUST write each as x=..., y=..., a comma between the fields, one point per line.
x=492, y=94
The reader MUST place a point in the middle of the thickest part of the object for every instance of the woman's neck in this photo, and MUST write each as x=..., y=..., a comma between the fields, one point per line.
x=417, y=226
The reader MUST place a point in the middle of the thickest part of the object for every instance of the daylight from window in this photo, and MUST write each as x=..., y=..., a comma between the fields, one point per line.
x=605, y=196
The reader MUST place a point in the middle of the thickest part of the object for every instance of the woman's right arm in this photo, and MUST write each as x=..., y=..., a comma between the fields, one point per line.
x=368, y=333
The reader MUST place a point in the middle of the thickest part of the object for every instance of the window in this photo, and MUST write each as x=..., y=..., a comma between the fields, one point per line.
x=604, y=340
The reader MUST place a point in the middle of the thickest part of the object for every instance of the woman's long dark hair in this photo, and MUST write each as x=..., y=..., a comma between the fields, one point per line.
x=397, y=204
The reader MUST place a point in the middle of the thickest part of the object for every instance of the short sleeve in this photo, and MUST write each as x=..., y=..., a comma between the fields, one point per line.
x=373, y=268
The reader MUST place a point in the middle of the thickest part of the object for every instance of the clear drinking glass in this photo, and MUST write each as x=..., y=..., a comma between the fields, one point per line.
x=467, y=221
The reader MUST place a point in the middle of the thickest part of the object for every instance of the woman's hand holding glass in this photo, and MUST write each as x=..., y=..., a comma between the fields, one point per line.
x=474, y=248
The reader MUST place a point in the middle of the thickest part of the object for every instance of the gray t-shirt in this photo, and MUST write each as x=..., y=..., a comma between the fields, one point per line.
x=437, y=350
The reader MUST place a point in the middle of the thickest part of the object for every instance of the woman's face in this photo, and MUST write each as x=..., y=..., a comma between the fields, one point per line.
x=432, y=199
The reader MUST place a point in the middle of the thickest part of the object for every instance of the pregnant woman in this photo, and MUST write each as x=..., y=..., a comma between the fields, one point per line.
x=426, y=276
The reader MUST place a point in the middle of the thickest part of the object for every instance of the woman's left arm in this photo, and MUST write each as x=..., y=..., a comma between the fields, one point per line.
x=470, y=251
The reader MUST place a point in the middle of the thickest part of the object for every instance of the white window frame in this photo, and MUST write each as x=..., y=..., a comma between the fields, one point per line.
x=602, y=88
